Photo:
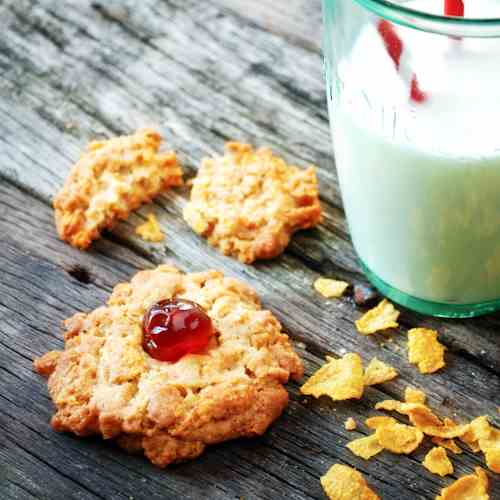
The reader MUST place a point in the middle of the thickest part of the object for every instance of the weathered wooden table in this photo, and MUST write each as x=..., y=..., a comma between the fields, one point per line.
x=202, y=72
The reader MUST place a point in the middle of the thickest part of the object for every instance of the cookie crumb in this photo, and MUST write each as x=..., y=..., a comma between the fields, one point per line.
x=350, y=424
x=150, y=230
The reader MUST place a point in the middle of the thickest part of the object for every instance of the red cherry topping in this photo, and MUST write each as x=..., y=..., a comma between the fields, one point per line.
x=175, y=327
x=454, y=8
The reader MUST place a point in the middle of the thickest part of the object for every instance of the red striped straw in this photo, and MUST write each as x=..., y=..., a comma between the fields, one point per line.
x=394, y=47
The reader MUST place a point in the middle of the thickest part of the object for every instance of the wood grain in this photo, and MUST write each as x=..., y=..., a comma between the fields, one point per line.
x=73, y=71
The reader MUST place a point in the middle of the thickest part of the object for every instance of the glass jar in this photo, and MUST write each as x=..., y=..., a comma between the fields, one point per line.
x=414, y=103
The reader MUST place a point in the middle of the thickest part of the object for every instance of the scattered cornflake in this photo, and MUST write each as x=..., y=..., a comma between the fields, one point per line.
x=488, y=438
x=388, y=405
x=376, y=422
x=425, y=350
x=150, y=230
x=365, y=447
x=379, y=318
x=330, y=288
x=437, y=462
x=470, y=487
x=350, y=424
x=378, y=372
x=470, y=438
x=414, y=396
x=422, y=417
x=399, y=438
x=339, y=378
x=449, y=444
x=345, y=483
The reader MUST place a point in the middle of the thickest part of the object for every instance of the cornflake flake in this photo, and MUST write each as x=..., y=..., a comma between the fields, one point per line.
x=379, y=318
x=399, y=438
x=437, y=462
x=345, y=483
x=339, y=378
x=378, y=372
x=150, y=230
x=449, y=444
x=376, y=422
x=414, y=396
x=470, y=438
x=330, y=288
x=422, y=417
x=424, y=350
x=365, y=447
x=488, y=438
x=470, y=487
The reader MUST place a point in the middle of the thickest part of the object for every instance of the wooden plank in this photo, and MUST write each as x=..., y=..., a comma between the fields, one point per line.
x=70, y=72
x=307, y=439
x=298, y=21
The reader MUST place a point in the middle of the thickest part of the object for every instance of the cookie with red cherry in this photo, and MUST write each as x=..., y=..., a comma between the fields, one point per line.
x=174, y=362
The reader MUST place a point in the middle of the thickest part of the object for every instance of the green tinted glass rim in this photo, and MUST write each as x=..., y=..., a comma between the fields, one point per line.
x=424, y=21
x=429, y=308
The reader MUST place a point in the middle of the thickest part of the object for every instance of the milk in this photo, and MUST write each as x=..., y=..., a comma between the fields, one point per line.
x=421, y=181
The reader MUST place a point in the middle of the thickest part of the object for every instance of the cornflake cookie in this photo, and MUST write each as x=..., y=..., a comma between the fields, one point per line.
x=111, y=179
x=470, y=487
x=345, y=483
x=105, y=383
x=248, y=202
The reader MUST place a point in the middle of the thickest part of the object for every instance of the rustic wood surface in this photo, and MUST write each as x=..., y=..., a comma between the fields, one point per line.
x=202, y=72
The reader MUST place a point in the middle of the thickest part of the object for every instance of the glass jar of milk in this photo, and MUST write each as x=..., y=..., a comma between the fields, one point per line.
x=414, y=101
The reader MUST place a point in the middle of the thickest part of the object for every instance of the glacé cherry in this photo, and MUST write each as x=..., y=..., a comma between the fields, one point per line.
x=173, y=328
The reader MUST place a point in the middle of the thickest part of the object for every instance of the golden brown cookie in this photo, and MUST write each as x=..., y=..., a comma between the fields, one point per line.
x=111, y=179
x=105, y=383
x=248, y=203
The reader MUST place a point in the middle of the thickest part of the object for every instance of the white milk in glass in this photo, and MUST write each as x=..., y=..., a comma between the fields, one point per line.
x=421, y=181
